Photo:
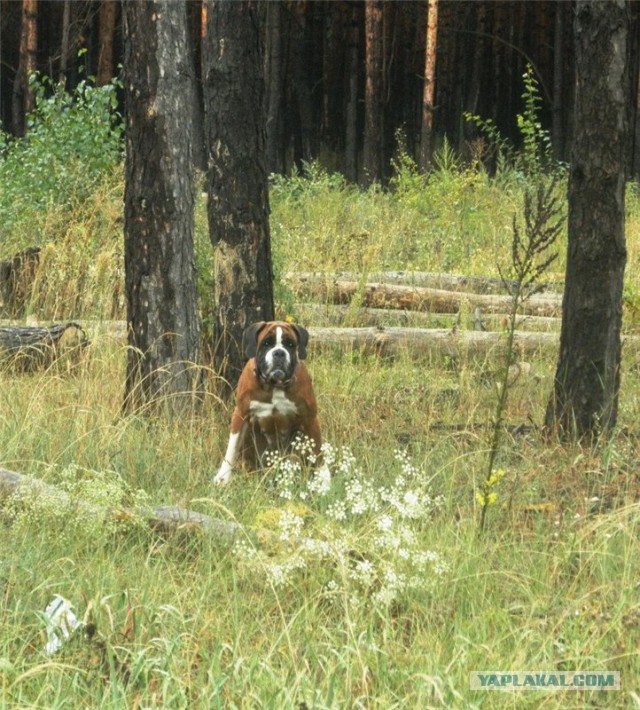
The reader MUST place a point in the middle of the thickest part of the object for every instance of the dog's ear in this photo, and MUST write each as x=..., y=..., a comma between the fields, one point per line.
x=250, y=339
x=303, y=339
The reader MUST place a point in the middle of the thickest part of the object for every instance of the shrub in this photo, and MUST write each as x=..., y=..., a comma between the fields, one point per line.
x=73, y=141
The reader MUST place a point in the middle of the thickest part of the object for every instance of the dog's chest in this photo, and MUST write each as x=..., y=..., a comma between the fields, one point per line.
x=280, y=405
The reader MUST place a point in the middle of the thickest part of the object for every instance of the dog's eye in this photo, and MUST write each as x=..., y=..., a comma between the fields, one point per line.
x=288, y=343
x=269, y=342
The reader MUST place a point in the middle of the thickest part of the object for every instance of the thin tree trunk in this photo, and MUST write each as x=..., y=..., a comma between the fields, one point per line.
x=107, y=26
x=587, y=381
x=275, y=89
x=373, y=129
x=304, y=131
x=473, y=92
x=428, y=92
x=64, y=43
x=558, y=71
x=351, y=114
x=23, y=97
x=160, y=282
x=238, y=206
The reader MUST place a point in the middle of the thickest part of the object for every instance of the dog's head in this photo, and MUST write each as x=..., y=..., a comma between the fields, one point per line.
x=277, y=346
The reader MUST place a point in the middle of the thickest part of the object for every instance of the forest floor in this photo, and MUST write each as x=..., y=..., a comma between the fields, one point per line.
x=375, y=589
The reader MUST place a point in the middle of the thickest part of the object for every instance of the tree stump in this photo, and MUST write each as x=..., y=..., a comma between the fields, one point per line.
x=17, y=276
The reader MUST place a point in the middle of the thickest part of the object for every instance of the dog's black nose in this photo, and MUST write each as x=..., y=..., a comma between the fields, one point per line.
x=279, y=355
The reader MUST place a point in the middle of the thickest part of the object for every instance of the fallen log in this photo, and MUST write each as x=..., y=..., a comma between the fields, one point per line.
x=417, y=298
x=419, y=342
x=336, y=315
x=161, y=519
x=448, y=282
x=26, y=348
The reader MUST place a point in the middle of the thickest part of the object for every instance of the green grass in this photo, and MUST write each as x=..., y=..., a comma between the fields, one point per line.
x=187, y=621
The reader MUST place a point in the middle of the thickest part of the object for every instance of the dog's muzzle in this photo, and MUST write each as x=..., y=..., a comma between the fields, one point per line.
x=278, y=366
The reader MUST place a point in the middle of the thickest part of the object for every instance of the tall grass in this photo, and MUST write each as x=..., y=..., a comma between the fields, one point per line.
x=189, y=622
x=331, y=605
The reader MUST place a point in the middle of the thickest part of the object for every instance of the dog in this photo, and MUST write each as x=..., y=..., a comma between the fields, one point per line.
x=275, y=402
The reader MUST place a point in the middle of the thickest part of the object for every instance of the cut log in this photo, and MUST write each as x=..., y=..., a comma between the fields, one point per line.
x=418, y=298
x=162, y=519
x=26, y=348
x=447, y=282
x=419, y=342
x=336, y=315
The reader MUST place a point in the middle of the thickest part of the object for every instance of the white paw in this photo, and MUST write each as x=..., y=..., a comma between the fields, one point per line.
x=223, y=476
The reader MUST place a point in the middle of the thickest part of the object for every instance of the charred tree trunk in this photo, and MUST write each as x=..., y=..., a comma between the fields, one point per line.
x=238, y=206
x=164, y=339
x=372, y=159
x=23, y=97
x=274, y=65
x=587, y=381
x=428, y=92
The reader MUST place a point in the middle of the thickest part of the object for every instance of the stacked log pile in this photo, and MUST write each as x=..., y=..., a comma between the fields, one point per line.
x=423, y=313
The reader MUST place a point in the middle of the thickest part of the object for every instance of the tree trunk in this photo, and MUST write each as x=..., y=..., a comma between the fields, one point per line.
x=351, y=110
x=160, y=279
x=107, y=26
x=238, y=207
x=23, y=97
x=275, y=89
x=428, y=92
x=301, y=101
x=557, y=132
x=587, y=381
x=473, y=91
x=373, y=128
x=64, y=42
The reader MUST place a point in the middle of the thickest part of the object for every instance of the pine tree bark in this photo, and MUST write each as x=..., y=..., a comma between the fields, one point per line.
x=238, y=207
x=428, y=92
x=160, y=280
x=587, y=381
x=372, y=158
x=23, y=100
x=107, y=26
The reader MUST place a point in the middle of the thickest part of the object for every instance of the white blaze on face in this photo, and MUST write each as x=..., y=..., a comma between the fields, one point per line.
x=277, y=347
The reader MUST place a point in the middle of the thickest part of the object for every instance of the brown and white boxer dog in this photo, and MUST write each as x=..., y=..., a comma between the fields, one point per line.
x=274, y=400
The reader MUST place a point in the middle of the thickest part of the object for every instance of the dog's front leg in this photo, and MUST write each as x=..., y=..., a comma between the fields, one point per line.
x=233, y=448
